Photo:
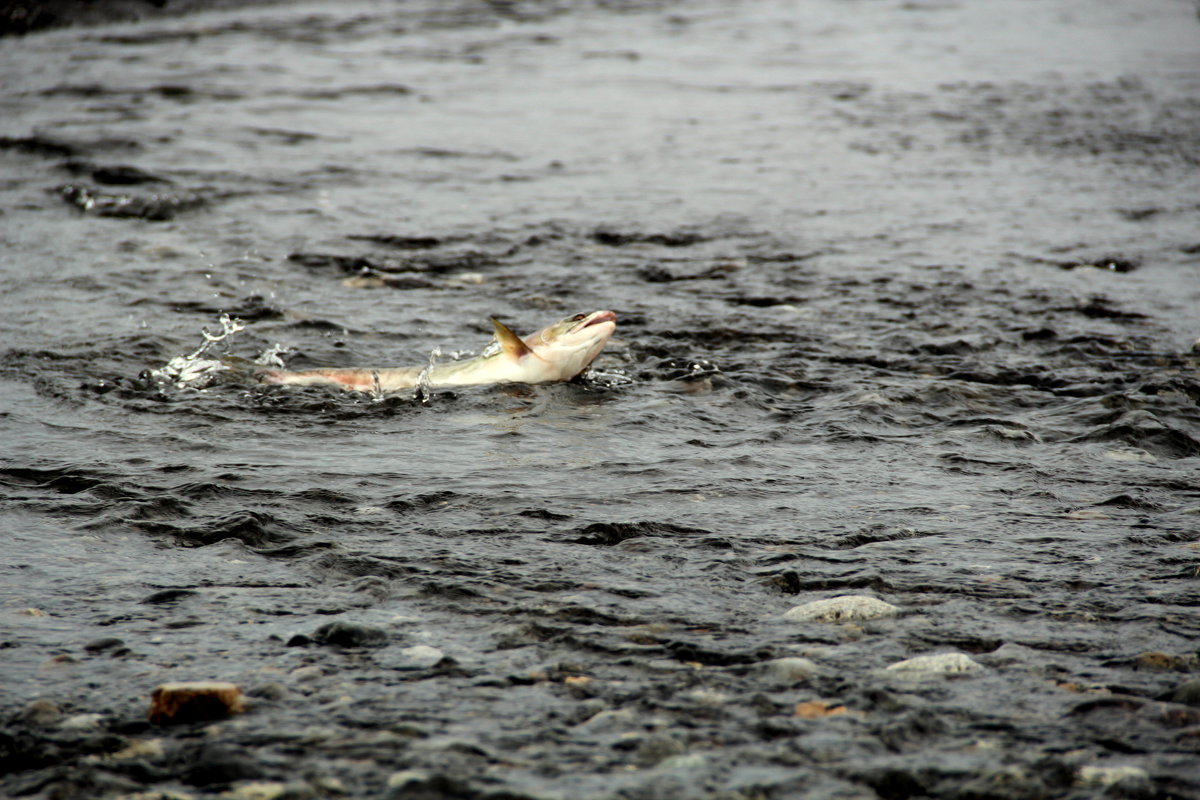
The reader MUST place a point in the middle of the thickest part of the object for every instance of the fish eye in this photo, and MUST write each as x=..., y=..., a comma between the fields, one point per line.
x=578, y=317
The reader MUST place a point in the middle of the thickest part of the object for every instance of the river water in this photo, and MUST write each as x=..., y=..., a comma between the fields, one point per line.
x=906, y=293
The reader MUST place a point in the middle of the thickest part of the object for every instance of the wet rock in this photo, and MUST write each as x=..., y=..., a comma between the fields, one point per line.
x=845, y=608
x=194, y=701
x=58, y=661
x=674, y=239
x=1163, y=662
x=306, y=674
x=1187, y=693
x=207, y=764
x=419, y=785
x=685, y=762
x=271, y=790
x=817, y=709
x=652, y=750
x=168, y=596
x=1108, y=263
x=272, y=692
x=400, y=242
x=1128, y=779
x=607, y=534
x=106, y=643
x=41, y=713
x=608, y=721
x=82, y=722
x=350, y=634
x=420, y=656
x=140, y=748
x=789, y=670
x=941, y=663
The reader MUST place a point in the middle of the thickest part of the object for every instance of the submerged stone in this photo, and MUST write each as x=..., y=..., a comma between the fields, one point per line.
x=350, y=634
x=941, y=663
x=844, y=608
x=1124, y=777
x=789, y=670
x=1187, y=693
x=42, y=713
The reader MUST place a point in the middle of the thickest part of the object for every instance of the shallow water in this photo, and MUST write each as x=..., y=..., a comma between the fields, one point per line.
x=906, y=296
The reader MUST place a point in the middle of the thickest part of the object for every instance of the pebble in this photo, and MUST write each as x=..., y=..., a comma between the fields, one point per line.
x=844, y=608
x=941, y=663
x=789, y=670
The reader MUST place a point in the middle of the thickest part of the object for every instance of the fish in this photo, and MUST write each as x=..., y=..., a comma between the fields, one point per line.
x=558, y=352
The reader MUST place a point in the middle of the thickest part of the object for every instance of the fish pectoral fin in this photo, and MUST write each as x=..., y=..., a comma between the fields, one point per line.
x=514, y=348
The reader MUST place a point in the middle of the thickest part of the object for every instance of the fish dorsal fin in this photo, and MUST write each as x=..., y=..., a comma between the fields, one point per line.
x=514, y=348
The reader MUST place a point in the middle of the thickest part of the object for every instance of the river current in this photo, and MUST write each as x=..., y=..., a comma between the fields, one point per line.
x=908, y=296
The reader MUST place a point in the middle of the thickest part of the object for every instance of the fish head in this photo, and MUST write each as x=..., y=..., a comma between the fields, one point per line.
x=570, y=345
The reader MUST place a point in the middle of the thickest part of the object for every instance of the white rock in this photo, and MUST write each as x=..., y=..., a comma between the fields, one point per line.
x=421, y=656
x=685, y=762
x=267, y=790
x=845, y=608
x=608, y=721
x=790, y=670
x=707, y=697
x=306, y=674
x=140, y=748
x=409, y=776
x=942, y=663
x=82, y=722
x=1107, y=776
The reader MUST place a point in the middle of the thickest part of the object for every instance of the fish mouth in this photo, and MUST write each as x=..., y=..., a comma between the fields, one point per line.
x=596, y=318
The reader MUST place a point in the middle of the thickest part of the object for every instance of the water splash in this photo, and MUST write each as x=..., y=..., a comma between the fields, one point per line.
x=606, y=379
x=273, y=356
x=197, y=369
x=424, y=388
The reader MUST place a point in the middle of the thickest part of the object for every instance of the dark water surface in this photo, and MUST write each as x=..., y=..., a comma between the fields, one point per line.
x=907, y=293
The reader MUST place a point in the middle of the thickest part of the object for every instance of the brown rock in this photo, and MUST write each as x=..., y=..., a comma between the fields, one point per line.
x=194, y=701
x=815, y=709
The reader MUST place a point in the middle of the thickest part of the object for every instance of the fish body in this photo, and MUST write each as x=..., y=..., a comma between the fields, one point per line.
x=558, y=352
